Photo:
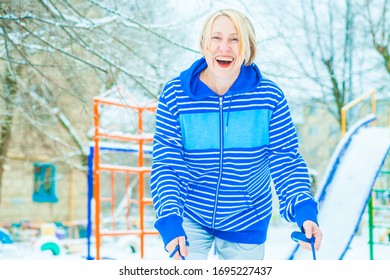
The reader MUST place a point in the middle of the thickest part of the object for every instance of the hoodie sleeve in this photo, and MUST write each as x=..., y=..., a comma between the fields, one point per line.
x=288, y=168
x=168, y=173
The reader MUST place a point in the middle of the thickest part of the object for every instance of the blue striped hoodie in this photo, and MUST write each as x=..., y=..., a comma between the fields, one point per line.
x=214, y=158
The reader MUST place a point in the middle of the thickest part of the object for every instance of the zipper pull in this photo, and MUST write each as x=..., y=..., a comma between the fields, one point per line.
x=221, y=107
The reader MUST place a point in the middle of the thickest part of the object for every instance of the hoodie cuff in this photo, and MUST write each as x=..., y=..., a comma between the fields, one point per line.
x=170, y=227
x=304, y=211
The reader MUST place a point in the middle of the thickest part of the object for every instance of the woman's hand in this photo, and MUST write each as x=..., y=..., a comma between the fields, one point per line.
x=183, y=248
x=311, y=229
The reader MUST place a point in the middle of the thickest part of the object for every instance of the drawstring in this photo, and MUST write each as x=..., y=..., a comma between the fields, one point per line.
x=227, y=120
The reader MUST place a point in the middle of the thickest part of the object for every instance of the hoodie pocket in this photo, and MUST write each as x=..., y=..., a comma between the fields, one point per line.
x=233, y=200
x=200, y=199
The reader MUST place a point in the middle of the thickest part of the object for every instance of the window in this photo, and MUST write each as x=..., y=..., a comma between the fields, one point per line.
x=44, y=182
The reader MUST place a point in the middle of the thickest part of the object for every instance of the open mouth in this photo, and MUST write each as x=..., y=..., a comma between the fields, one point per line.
x=224, y=61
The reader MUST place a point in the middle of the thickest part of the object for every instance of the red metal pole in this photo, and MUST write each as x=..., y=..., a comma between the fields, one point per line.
x=96, y=180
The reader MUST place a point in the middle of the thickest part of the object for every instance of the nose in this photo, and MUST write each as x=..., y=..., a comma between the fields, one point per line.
x=225, y=45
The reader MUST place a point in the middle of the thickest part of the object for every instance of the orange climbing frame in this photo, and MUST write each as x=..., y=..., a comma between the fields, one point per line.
x=140, y=139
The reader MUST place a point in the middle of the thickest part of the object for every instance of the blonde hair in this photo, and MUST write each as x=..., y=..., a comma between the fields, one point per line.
x=245, y=31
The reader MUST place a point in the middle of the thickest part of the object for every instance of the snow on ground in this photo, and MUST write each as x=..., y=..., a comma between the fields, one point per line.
x=278, y=247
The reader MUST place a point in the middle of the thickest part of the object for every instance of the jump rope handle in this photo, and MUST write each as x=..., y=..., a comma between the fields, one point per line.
x=177, y=249
x=300, y=236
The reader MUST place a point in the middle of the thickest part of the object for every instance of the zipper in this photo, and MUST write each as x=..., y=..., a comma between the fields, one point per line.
x=221, y=134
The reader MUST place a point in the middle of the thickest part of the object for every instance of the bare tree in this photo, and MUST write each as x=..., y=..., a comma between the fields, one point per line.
x=55, y=56
x=379, y=27
x=329, y=53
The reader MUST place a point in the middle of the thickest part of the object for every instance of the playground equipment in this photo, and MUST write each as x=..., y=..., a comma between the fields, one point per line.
x=48, y=241
x=5, y=236
x=348, y=182
x=379, y=210
x=115, y=113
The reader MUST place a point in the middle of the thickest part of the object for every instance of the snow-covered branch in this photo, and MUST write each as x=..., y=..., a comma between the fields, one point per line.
x=78, y=58
x=66, y=20
x=66, y=124
x=127, y=20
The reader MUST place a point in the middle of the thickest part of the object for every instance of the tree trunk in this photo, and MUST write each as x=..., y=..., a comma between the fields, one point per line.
x=384, y=52
x=10, y=89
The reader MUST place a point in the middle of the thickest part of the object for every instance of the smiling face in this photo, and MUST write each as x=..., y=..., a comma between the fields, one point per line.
x=223, y=51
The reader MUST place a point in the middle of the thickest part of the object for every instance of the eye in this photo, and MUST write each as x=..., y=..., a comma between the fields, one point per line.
x=215, y=38
x=234, y=40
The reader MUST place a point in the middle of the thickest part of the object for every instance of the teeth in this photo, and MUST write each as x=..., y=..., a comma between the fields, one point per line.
x=224, y=58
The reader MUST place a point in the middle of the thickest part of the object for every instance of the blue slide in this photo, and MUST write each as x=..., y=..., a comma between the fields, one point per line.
x=346, y=187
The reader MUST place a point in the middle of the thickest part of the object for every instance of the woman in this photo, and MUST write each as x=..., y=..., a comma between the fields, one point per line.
x=222, y=132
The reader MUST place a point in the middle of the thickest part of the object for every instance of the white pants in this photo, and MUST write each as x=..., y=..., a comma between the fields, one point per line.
x=201, y=243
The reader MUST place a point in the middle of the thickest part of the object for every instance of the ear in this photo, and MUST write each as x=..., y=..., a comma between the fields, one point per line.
x=202, y=51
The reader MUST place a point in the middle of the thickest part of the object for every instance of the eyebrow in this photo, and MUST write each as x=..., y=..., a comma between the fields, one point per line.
x=217, y=32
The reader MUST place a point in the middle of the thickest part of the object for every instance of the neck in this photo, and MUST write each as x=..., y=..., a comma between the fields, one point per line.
x=219, y=85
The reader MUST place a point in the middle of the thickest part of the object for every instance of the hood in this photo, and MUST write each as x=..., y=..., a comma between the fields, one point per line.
x=249, y=78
